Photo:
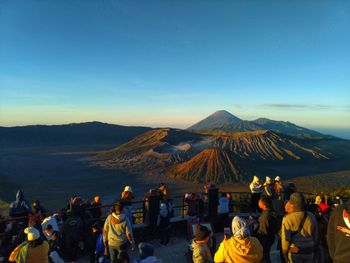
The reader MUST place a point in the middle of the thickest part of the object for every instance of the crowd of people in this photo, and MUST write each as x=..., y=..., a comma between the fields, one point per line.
x=304, y=232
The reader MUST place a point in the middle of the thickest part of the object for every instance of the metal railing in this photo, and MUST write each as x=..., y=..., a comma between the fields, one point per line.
x=240, y=202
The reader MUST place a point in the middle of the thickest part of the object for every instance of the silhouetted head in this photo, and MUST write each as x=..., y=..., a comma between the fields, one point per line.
x=146, y=250
x=296, y=202
x=264, y=202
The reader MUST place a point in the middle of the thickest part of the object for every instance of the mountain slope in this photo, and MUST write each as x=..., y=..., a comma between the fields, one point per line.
x=264, y=145
x=89, y=133
x=225, y=121
x=159, y=151
x=286, y=128
x=211, y=165
x=151, y=151
x=218, y=120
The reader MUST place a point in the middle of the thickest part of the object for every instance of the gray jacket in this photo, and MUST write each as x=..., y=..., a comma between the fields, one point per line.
x=116, y=229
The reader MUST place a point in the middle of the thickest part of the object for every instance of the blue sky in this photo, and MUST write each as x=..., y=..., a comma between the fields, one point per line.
x=172, y=63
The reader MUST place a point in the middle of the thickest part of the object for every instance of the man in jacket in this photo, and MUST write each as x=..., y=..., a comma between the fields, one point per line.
x=299, y=231
x=200, y=247
x=117, y=232
x=338, y=234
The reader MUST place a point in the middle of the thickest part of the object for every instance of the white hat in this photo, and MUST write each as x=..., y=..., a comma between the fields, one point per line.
x=128, y=189
x=256, y=179
x=277, y=178
x=32, y=233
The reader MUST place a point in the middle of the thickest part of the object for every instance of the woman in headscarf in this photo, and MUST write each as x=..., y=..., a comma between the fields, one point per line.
x=241, y=247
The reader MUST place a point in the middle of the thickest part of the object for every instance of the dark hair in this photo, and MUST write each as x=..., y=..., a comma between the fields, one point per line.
x=119, y=207
x=223, y=194
x=49, y=227
x=35, y=243
x=266, y=201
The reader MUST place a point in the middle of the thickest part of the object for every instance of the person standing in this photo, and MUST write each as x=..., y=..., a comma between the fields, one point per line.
x=241, y=247
x=338, y=234
x=223, y=210
x=33, y=250
x=163, y=222
x=126, y=200
x=96, y=207
x=20, y=207
x=278, y=198
x=268, y=188
x=267, y=227
x=299, y=231
x=200, y=249
x=117, y=233
x=255, y=188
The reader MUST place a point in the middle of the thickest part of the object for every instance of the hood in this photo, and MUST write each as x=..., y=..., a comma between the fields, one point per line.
x=239, y=227
x=195, y=244
x=118, y=218
x=243, y=246
x=19, y=196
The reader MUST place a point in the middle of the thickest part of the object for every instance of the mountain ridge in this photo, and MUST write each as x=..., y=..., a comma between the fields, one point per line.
x=172, y=152
x=87, y=133
x=225, y=121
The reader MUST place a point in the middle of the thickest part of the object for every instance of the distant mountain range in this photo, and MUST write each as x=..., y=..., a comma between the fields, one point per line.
x=221, y=148
x=224, y=121
x=88, y=133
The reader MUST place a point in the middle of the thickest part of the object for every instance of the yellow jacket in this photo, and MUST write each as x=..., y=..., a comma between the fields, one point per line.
x=234, y=250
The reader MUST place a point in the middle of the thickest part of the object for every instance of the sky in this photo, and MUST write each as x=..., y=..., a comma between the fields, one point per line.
x=172, y=63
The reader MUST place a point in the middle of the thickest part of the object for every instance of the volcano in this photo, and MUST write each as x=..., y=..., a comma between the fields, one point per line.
x=225, y=121
x=210, y=165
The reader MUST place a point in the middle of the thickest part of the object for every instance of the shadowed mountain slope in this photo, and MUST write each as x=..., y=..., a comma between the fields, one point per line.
x=88, y=133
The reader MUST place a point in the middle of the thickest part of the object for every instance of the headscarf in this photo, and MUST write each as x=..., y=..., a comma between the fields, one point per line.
x=278, y=179
x=239, y=228
x=318, y=200
x=255, y=179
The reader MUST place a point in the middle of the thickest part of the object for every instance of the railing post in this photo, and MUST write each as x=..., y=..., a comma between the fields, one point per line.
x=143, y=211
x=183, y=206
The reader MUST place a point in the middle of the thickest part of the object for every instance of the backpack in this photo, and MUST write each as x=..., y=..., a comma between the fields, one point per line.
x=72, y=228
